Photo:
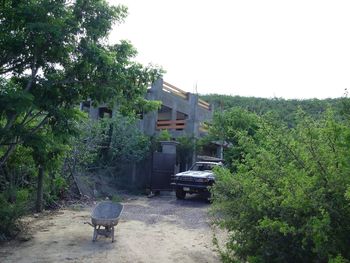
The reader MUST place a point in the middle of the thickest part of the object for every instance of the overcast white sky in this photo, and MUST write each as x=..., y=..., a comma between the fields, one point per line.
x=262, y=48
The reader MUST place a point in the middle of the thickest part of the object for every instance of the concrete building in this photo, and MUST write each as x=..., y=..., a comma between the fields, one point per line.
x=182, y=113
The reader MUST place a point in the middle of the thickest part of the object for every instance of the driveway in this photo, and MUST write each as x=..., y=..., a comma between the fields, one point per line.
x=159, y=229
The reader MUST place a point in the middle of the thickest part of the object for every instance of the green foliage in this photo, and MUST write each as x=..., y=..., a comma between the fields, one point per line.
x=184, y=151
x=117, y=199
x=126, y=143
x=226, y=128
x=286, y=110
x=53, y=55
x=164, y=135
x=107, y=142
x=11, y=211
x=86, y=146
x=287, y=202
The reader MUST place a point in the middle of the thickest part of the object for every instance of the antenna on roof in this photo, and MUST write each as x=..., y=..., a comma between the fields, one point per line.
x=195, y=88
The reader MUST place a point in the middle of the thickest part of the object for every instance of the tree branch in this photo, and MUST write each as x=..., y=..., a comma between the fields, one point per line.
x=12, y=146
x=34, y=69
x=7, y=154
x=33, y=117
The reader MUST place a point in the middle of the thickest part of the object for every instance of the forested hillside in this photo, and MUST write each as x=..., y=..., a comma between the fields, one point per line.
x=285, y=109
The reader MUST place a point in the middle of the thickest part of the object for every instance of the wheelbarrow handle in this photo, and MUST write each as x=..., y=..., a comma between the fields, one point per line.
x=89, y=224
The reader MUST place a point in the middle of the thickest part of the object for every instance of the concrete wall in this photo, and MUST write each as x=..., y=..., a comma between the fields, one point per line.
x=179, y=108
x=195, y=113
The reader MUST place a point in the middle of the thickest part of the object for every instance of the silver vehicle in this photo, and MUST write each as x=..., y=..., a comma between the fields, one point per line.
x=196, y=180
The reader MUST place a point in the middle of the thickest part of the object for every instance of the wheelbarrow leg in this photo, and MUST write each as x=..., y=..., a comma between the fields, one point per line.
x=94, y=235
x=112, y=234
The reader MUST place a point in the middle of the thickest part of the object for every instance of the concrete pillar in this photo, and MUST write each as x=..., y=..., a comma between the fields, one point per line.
x=150, y=118
x=155, y=90
x=169, y=146
x=93, y=113
x=174, y=112
x=192, y=122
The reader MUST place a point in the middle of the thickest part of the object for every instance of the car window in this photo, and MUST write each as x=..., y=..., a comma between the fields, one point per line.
x=202, y=167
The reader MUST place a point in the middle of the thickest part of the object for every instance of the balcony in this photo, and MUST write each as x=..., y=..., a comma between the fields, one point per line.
x=171, y=124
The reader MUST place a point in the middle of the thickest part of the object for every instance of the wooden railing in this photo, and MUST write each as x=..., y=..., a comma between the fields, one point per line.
x=165, y=125
x=167, y=87
x=174, y=90
x=203, y=127
x=203, y=104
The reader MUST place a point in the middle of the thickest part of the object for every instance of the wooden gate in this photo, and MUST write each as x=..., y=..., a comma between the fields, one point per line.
x=163, y=169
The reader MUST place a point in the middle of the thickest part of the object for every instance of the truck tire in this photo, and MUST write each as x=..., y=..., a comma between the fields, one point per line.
x=180, y=194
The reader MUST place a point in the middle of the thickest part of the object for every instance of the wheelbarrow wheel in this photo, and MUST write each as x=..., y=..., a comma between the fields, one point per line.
x=94, y=235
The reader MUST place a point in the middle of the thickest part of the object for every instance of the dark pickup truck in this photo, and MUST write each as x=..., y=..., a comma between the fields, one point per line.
x=196, y=180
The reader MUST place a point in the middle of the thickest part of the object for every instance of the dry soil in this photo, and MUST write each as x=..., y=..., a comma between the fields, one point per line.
x=159, y=229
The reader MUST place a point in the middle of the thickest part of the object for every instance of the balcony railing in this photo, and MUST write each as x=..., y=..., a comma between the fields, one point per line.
x=203, y=127
x=171, y=124
x=174, y=90
x=167, y=87
x=203, y=104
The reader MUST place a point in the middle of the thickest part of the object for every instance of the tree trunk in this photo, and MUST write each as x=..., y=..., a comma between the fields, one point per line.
x=6, y=155
x=39, y=198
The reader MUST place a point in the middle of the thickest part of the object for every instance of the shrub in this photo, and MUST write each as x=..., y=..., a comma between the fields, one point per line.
x=164, y=135
x=10, y=212
x=288, y=200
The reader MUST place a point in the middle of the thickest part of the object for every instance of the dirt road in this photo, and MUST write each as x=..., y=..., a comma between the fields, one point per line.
x=160, y=229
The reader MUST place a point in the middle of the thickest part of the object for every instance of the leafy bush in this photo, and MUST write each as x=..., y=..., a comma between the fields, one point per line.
x=164, y=135
x=227, y=126
x=127, y=142
x=288, y=200
x=11, y=211
x=184, y=151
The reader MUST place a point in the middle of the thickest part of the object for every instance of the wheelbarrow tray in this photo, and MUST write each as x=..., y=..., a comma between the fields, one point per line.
x=105, y=214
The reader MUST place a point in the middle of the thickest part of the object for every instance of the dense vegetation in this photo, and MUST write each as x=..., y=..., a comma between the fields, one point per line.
x=285, y=196
x=284, y=109
x=54, y=55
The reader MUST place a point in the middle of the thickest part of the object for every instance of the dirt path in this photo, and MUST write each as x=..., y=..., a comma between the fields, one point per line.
x=160, y=229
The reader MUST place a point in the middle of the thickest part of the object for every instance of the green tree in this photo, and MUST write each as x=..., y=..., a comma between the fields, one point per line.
x=184, y=151
x=287, y=202
x=53, y=54
x=127, y=144
x=285, y=109
x=226, y=128
x=107, y=147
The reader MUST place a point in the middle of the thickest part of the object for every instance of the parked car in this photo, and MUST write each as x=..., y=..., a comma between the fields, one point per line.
x=196, y=180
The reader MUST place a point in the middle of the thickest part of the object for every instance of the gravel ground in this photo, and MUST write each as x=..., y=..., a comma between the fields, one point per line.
x=158, y=229
x=191, y=213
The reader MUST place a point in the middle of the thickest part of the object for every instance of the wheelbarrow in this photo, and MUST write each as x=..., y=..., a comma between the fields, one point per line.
x=105, y=214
